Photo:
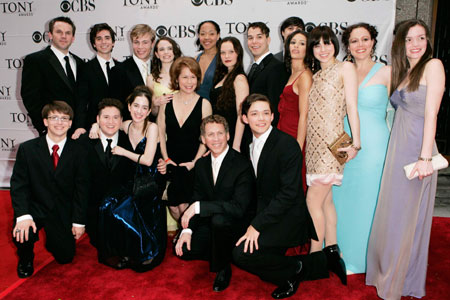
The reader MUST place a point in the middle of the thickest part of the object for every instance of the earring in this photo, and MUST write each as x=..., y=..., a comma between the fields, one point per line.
x=372, y=53
x=349, y=57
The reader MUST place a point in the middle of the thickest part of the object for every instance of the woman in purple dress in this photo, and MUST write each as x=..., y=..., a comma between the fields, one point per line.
x=398, y=246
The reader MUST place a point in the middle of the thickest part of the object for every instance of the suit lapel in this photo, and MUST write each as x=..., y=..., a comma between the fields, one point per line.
x=99, y=73
x=45, y=154
x=134, y=74
x=54, y=62
x=267, y=148
x=100, y=152
x=225, y=167
x=65, y=154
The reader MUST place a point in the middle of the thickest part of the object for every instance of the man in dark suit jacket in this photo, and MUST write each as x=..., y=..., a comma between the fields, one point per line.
x=49, y=189
x=288, y=26
x=282, y=219
x=218, y=214
x=95, y=75
x=52, y=74
x=267, y=76
x=107, y=171
x=135, y=69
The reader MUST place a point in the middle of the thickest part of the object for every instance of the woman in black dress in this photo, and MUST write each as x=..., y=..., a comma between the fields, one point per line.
x=179, y=121
x=230, y=87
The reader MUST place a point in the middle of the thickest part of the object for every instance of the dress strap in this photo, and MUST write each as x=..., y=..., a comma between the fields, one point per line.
x=371, y=73
x=298, y=77
x=128, y=129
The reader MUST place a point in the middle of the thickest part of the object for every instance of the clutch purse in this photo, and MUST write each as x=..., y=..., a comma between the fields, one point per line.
x=344, y=140
x=438, y=162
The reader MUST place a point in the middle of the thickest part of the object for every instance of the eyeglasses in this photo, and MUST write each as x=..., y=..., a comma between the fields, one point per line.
x=57, y=118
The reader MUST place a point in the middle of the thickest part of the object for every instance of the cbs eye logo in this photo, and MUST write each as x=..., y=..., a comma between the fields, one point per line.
x=40, y=36
x=197, y=2
x=65, y=6
x=162, y=30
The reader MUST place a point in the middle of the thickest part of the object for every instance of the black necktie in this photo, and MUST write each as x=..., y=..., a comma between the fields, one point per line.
x=69, y=71
x=108, y=72
x=252, y=72
x=108, y=153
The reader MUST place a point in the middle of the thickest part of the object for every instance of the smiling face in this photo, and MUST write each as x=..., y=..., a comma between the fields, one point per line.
x=257, y=42
x=259, y=117
x=142, y=46
x=324, y=53
x=109, y=120
x=360, y=43
x=57, y=125
x=297, y=46
x=215, y=138
x=208, y=36
x=228, y=55
x=415, y=43
x=62, y=36
x=187, y=81
x=103, y=43
x=164, y=51
x=139, y=109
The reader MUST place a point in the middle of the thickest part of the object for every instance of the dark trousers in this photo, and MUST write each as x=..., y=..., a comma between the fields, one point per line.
x=59, y=240
x=271, y=264
x=214, y=241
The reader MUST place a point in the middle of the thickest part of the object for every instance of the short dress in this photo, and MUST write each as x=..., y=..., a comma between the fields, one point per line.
x=326, y=112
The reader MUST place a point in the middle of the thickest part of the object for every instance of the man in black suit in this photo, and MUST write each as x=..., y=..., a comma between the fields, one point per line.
x=288, y=26
x=135, y=69
x=49, y=189
x=218, y=214
x=95, y=75
x=52, y=74
x=282, y=219
x=107, y=171
x=267, y=76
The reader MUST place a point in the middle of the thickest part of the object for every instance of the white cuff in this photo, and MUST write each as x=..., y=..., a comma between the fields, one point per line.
x=23, y=218
x=197, y=207
x=186, y=230
x=78, y=225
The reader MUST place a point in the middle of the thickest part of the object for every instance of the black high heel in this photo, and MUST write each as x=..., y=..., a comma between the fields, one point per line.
x=335, y=262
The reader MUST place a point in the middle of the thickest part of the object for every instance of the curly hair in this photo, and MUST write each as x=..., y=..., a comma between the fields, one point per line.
x=371, y=29
x=156, y=62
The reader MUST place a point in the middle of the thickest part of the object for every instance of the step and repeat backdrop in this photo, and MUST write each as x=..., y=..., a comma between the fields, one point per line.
x=24, y=29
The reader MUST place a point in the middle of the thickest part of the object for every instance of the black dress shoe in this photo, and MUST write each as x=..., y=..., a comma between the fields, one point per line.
x=25, y=269
x=286, y=290
x=335, y=262
x=222, y=280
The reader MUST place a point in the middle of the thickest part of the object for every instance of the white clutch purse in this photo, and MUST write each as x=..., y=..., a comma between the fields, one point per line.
x=438, y=162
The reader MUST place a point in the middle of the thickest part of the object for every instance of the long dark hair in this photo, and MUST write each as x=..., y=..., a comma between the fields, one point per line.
x=227, y=98
x=287, y=52
x=144, y=91
x=400, y=63
x=156, y=62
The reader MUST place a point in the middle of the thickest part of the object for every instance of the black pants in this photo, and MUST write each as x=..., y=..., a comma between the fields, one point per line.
x=59, y=240
x=271, y=264
x=214, y=241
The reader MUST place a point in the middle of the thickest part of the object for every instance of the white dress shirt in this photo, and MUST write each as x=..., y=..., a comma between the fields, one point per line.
x=103, y=139
x=62, y=61
x=141, y=65
x=256, y=148
x=216, y=163
x=103, y=62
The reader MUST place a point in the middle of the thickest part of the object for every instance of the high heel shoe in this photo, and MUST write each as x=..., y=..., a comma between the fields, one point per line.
x=335, y=262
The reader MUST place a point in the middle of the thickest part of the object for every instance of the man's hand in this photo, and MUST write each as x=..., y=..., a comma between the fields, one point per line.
x=184, y=238
x=187, y=215
x=77, y=232
x=21, y=230
x=77, y=133
x=250, y=238
x=162, y=166
x=189, y=165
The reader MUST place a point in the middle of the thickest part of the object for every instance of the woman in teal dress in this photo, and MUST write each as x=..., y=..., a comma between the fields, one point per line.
x=356, y=198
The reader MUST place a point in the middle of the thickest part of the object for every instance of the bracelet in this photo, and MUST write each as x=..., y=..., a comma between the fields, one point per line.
x=356, y=148
x=424, y=158
x=167, y=160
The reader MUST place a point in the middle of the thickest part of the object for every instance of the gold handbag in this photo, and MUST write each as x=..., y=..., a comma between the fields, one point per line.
x=344, y=140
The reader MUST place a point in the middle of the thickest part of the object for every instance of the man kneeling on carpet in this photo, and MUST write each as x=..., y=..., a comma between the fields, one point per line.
x=49, y=189
x=218, y=215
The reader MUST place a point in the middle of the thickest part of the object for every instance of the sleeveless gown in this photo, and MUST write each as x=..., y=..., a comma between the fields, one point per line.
x=132, y=227
x=289, y=115
x=355, y=200
x=208, y=78
x=160, y=89
x=229, y=114
x=398, y=247
x=326, y=112
x=182, y=146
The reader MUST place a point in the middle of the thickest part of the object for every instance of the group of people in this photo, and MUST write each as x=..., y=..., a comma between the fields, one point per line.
x=244, y=158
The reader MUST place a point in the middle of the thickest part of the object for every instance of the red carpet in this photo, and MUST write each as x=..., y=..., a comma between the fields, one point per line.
x=176, y=279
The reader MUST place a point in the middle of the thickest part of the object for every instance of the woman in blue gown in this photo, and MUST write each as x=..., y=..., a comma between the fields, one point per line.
x=133, y=230
x=356, y=198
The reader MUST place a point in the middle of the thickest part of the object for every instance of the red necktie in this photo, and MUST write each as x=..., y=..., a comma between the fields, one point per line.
x=55, y=155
